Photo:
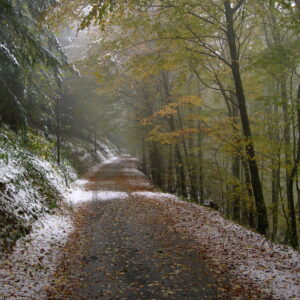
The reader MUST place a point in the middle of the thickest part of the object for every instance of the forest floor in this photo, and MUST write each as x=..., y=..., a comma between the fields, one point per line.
x=133, y=242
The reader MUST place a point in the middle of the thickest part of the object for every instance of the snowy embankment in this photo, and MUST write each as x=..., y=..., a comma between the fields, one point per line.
x=26, y=272
x=233, y=249
x=85, y=155
x=30, y=187
x=35, y=204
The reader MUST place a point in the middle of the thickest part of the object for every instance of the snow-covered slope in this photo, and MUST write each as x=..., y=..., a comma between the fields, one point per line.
x=84, y=156
x=31, y=183
x=30, y=187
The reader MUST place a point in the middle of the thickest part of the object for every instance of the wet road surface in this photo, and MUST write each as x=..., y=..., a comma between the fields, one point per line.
x=125, y=248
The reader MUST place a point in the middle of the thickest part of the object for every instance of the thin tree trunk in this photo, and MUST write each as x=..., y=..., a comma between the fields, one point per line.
x=275, y=198
x=236, y=162
x=95, y=141
x=251, y=217
x=275, y=185
x=144, y=157
x=262, y=218
x=58, y=133
x=155, y=165
x=289, y=174
x=200, y=169
x=179, y=165
x=192, y=177
x=170, y=175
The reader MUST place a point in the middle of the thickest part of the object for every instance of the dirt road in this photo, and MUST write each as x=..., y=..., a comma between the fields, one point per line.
x=124, y=247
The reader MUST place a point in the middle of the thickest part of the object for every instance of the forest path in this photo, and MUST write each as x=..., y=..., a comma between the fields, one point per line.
x=124, y=248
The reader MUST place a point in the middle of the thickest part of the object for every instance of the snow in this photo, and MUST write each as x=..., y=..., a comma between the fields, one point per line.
x=86, y=154
x=79, y=195
x=154, y=195
x=9, y=54
x=81, y=182
x=230, y=248
x=76, y=71
x=246, y=255
x=27, y=271
x=132, y=172
x=20, y=198
x=104, y=162
x=112, y=159
x=111, y=195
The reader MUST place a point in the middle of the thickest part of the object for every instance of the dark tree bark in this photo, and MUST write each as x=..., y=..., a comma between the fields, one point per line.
x=289, y=174
x=155, y=165
x=180, y=173
x=251, y=218
x=262, y=219
x=236, y=161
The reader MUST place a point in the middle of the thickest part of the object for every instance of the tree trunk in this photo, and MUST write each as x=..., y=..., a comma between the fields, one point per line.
x=275, y=198
x=251, y=218
x=236, y=188
x=236, y=162
x=191, y=175
x=170, y=176
x=289, y=173
x=262, y=219
x=275, y=183
x=144, y=157
x=155, y=165
x=95, y=141
x=179, y=165
x=58, y=133
x=200, y=170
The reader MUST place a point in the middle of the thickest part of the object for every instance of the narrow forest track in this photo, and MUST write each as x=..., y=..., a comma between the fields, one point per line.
x=123, y=246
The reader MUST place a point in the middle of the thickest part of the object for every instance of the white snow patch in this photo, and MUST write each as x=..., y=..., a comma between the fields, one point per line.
x=132, y=171
x=81, y=182
x=27, y=271
x=8, y=53
x=111, y=195
x=79, y=195
x=154, y=195
x=110, y=160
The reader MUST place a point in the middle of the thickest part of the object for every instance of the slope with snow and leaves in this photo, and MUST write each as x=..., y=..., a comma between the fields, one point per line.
x=36, y=209
x=32, y=184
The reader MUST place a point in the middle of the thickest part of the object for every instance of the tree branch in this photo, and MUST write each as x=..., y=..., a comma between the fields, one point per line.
x=240, y=3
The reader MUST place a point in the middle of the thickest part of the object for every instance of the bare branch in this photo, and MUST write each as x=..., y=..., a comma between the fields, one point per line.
x=240, y=3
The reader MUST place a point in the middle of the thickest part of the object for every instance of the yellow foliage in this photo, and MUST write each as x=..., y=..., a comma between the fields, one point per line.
x=190, y=99
x=166, y=110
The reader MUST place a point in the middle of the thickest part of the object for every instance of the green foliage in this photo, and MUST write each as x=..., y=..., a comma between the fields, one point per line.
x=40, y=146
x=32, y=63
